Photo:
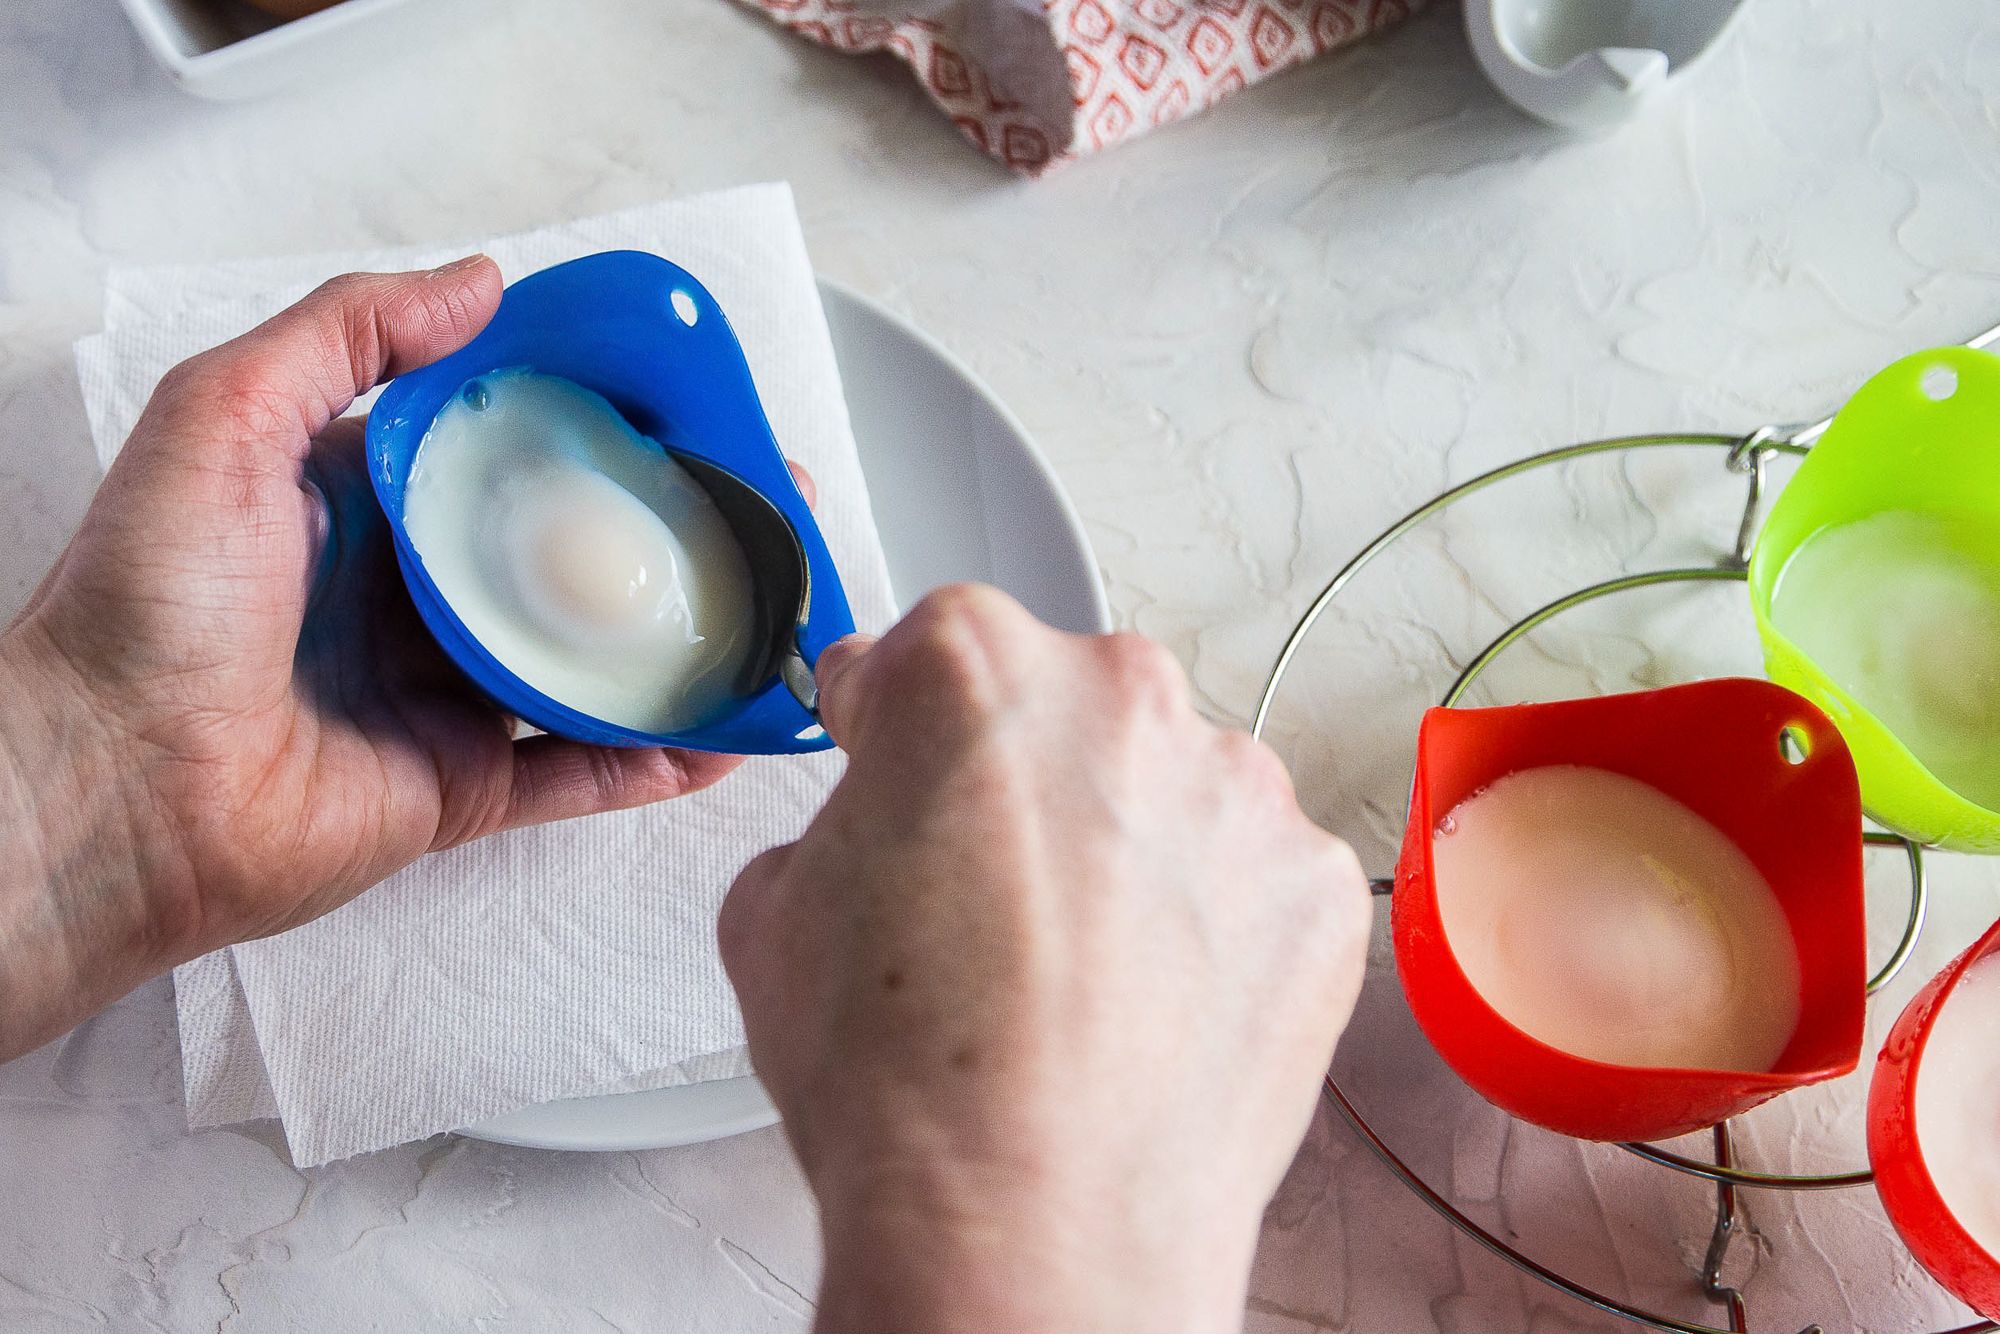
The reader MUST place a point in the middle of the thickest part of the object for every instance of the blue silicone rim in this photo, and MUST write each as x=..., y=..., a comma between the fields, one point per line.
x=643, y=333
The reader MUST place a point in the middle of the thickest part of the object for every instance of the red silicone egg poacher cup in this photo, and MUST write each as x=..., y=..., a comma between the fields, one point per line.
x=1719, y=748
x=1909, y=1193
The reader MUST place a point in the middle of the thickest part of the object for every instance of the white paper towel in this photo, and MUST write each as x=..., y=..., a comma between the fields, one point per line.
x=545, y=963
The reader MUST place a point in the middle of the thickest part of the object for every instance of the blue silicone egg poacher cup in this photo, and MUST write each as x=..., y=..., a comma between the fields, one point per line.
x=641, y=332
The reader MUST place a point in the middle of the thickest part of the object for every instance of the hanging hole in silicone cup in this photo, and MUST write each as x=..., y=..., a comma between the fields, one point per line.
x=684, y=308
x=1794, y=745
x=1938, y=383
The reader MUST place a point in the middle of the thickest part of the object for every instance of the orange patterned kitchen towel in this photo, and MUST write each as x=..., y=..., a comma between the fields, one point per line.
x=1040, y=82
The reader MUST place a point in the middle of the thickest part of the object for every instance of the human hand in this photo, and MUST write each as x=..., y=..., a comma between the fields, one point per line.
x=1046, y=990
x=220, y=715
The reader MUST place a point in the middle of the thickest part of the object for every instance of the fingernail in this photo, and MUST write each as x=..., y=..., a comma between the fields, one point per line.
x=843, y=651
x=836, y=711
x=458, y=266
x=838, y=657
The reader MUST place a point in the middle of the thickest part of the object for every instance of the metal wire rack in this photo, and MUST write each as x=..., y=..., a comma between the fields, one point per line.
x=1749, y=456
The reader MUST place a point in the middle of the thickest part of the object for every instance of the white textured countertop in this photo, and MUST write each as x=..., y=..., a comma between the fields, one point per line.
x=1246, y=343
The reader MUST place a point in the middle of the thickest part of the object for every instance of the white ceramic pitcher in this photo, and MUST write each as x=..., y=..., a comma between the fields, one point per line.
x=1588, y=64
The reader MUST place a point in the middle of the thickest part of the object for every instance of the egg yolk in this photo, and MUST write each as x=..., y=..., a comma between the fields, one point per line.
x=590, y=563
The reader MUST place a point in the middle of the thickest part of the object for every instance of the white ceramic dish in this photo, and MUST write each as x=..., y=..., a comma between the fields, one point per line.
x=960, y=493
x=1588, y=64
x=226, y=49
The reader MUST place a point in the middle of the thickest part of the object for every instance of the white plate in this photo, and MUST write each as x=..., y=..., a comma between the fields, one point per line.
x=960, y=493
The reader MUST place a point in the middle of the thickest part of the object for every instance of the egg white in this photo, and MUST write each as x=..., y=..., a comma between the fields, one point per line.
x=579, y=554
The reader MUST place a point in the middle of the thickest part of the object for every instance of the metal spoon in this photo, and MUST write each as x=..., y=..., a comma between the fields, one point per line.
x=779, y=575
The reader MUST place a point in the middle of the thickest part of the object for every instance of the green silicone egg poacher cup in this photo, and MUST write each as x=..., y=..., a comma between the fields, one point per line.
x=1924, y=437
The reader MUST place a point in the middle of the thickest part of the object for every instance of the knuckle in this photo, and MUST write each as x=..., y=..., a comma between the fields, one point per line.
x=358, y=342
x=343, y=289
x=1343, y=896
x=360, y=311
x=1237, y=750
x=967, y=605
x=765, y=866
x=1254, y=764
x=229, y=393
x=741, y=923
x=1344, y=867
x=954, y=668
x=604, y=772
x=1142, y=671
x=950, y=645
x=1251, y=767
x=254, y=409
x=183, y=381
x=734, y=933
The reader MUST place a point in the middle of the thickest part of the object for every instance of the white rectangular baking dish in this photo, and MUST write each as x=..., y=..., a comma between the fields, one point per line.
x=226, y=49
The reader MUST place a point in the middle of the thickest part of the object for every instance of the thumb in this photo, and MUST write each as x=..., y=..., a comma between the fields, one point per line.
x=283, y=381
x=838, y=675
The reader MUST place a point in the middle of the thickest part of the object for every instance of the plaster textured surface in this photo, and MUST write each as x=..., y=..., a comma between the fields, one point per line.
x=1247, y=343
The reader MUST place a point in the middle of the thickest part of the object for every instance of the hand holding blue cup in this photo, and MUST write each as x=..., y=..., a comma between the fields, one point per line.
x=645, y=346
